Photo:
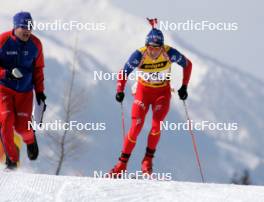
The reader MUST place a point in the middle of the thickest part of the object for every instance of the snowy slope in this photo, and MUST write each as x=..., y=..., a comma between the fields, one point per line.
x=18, y=187
x=217, y=93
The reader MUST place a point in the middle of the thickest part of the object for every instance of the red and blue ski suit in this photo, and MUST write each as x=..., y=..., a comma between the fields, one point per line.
x=16, y=96
x=156, y=93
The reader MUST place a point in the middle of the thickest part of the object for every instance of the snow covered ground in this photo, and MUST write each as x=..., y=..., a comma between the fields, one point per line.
x=16, y=187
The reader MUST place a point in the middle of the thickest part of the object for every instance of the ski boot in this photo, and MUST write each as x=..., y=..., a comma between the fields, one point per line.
x=32, y=150
x=146, y=164
x=10, y=165
x=120, y=167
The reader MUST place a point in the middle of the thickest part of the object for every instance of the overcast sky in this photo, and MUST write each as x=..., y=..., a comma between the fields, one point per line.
x=242, y=48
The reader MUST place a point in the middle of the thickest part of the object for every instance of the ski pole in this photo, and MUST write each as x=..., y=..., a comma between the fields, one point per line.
x=123, y=121
x=193, y=141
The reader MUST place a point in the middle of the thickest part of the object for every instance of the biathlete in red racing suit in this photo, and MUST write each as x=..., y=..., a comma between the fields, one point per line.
x=154, y=62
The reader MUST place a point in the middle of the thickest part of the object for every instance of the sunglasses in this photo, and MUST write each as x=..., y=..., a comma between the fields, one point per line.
x=154, y=47
x=27, y=25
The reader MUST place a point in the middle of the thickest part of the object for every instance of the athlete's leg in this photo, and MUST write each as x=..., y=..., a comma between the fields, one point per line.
x=7, y=117
x=23, y=103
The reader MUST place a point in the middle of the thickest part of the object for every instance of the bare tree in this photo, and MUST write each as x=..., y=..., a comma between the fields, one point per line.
x=65, y=142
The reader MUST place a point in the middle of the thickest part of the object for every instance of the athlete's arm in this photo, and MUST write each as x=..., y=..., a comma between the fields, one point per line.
x=38, y=74
x=3, y=39
x=132, y=63
x=180, y=59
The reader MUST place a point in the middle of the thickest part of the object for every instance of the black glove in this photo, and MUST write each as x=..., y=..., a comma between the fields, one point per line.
x=182, y=92
x=120, y=96
x=14, y=74
x=40, y=97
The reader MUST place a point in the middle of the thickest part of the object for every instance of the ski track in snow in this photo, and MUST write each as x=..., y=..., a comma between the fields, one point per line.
x=16, y=186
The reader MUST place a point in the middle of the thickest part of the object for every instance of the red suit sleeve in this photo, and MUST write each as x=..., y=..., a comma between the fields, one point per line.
x=121, y=81
x=38, y=74
x=132, y=63
x=187, y=70
x=3, y=39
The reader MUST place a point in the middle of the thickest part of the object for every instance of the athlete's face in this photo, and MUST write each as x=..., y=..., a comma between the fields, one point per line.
x=22, y=33
x=154, y=51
